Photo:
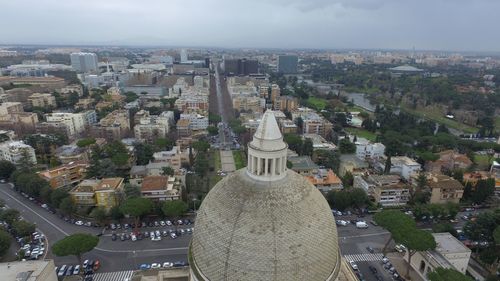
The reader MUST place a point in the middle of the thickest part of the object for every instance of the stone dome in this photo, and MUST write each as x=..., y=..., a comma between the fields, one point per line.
x=248, y=229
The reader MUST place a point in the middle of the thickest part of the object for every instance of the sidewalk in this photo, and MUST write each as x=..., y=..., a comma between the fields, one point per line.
x=400, y=264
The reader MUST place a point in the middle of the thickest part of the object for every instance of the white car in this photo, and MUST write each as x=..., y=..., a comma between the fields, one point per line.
x=353, y=265
x=169, y=223
x=79, y=222
x=162, y=223
x=400, y=248
x=168, y=264
x=155, y=266
x=342, y=222
x=133, y=237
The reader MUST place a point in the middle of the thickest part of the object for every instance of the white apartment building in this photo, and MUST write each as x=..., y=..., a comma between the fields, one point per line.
x=12, y=151
x=152, y=127
x=76, y=122
x=197, y=121
x=367, y=149
x=404, y=166
x=84, y=62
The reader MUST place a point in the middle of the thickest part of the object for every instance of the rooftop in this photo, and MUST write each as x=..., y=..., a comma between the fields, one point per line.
x=30, y=270
x=302, y=162
x=444, y=181
x=151, y=183
x=447, y=243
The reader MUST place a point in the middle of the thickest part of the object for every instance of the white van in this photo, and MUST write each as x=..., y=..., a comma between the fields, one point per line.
x=361, y=224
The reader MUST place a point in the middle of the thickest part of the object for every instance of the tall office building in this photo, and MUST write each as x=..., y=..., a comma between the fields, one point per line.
x=287, y=63
x=241, y=66
x=84, y=62
x=184, y=55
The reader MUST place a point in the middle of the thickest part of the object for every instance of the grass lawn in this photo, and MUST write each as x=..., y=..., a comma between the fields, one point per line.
x=317, y=103
x=434, y=115
x=483, y=161
x=239, y=159
x=362, y=133
x=216, y=159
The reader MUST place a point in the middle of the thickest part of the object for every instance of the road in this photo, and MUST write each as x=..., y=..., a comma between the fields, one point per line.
x=114, y=255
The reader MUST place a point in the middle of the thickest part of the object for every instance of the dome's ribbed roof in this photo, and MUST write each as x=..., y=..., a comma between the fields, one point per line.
x=252, y=230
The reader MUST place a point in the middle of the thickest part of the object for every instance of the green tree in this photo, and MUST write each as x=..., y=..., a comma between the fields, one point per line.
x=307, y=147
x=99, y=214
x=213, y=130
x=358, y=197
x=23, y=228
x=201, y=165
x=447, y=274
x=143, y=153
x=75, y=245
x=6, y=169
x=416, y=240
x=347, y=179
x=483, y=227
x=444, y=227
x=214, y=118
x=201, y=146
x=338, y=199
x=136, y=207
x=57, y=196
x=175, y=208
x=496, y=235
x=85, y=142
x=4, y=242
x=294, y=142
x=163, y=144
x=9, y=216
x=388, y=165
x=67, y=206
x=395, y=222
x=346, y=146
x=168, y=171
x=115, y=213
x=131, y=191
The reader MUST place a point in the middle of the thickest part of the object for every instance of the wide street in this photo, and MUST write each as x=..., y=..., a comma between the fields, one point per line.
x=113, y=255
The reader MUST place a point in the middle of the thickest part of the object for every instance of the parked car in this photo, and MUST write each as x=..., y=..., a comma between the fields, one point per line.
x=167, y=264
x=372, y=269
x=76, y=271
x=342, y=222
x=79, y=222
x=62, y=271
x=144, y=266
x=69, y=271
x=353, y=265
x=370, y=249
x=400, y=248
x=155, y=266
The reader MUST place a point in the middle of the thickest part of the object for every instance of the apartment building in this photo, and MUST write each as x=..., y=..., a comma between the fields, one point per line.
x=150, y=128
x=197, y=122
x=325, y=180
x=184, y=128
x=65, y=175
x=286, y=103
x=445, y=189
x=368, y=149
x=115, y=126
x=42, y=100
x=400, y=165
x=13, y=151
x=244, y=103
x=174, y=158
x=160, y=188
x=386, y=190
x=100, y=193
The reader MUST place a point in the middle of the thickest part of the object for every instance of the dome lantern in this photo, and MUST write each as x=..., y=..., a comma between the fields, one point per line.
x=267, y=151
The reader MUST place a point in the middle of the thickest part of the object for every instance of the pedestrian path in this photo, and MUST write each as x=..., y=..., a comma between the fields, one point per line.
x=113, y=276
x=364, y=257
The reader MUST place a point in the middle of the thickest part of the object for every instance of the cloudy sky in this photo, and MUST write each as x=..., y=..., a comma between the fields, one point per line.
x=395, y=24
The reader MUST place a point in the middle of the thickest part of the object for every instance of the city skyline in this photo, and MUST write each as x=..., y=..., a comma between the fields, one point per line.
x=297, y=24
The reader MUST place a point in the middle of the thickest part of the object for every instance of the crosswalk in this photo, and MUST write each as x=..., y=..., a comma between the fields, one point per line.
x=113, y=276
x=364, y=257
